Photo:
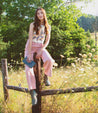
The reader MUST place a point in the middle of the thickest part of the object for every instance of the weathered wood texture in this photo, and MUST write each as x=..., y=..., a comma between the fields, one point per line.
x=37, y=71
x=71, y=90
x=5, y=78
x=57, y=91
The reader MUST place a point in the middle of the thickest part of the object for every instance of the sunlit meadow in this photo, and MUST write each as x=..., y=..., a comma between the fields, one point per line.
x=81, y=73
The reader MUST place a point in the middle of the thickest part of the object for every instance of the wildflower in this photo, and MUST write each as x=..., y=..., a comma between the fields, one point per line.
x=84, y=56
x=68, y=59
x=55, y=64
x=80, y=54
x=62, y=56
x=82, y=69
x=93, y=50
x=67, y=67
x=73, y=65
x=78, y=59
x=8, y=64
x=90, y=54
x=95, y=57
x=11, y=60
x=95, y=78
x=88, y=46
x=17, y=62
x=72, y=91
x=20, y=54
x=89, y=59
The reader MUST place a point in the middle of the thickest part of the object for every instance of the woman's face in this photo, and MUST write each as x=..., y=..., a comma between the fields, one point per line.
x=40, y=15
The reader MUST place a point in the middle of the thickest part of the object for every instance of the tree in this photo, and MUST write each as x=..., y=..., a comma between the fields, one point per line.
x=86, y=22
x=66, y=37
x=16, y=15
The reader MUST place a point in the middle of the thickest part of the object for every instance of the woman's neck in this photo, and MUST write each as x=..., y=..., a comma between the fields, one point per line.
x=42, y=22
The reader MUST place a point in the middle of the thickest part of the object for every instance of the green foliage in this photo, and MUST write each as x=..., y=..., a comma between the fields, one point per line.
x=16, y=17
x=67, y=37
x=88, y=34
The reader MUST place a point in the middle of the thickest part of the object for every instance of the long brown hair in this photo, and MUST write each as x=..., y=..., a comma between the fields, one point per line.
x=37, y=22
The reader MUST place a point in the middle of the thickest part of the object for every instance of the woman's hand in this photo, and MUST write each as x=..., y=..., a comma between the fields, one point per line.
x=39, y=53
x=29, y=58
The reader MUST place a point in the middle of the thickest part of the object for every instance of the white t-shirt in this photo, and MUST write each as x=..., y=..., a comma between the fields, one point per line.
x=41, y=36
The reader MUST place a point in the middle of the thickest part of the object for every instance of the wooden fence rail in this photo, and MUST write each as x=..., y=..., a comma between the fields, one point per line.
x=56, y=91
x=37, y=71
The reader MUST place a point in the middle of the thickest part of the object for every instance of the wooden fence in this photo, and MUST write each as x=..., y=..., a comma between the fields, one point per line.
x=37, y=70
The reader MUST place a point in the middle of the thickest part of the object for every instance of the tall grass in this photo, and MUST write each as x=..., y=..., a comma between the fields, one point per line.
x=63, y=78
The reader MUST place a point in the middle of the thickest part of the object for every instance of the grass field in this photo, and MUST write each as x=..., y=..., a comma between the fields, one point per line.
x=63, y=78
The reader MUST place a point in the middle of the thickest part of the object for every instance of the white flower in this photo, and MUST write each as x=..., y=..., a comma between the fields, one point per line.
x=78, y=59
x=11, y=60
x=81, y=69
x=93, y=50
x=62, y=56
x=73, y=65
x=68, y=59
x=20, y=54
x=90, y=54
x=89, y=59
x=88, y=46
x=80, y=54
x=84, y=56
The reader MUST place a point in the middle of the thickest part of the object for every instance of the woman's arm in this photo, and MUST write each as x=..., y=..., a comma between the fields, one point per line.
x=47, y=39
x=30, y=39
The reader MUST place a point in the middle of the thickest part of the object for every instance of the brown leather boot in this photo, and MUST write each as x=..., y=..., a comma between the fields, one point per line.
x=46, y=81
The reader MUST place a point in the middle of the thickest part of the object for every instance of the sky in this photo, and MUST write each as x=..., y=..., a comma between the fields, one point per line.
x=89, y=8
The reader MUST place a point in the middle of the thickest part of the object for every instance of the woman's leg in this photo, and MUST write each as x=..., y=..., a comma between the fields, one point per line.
x=30, y=78
x=48, y=62
x=31, y=81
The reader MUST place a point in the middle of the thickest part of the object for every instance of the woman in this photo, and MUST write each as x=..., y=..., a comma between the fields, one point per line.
x=39, y=36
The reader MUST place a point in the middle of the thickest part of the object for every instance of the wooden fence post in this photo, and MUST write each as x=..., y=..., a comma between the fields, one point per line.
x=5, y=78
x=37, y=70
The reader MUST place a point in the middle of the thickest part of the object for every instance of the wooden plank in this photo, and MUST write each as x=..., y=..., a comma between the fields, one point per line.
x=18, y=88
x=71, y=90
x=56, y=91
x=5, y=78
